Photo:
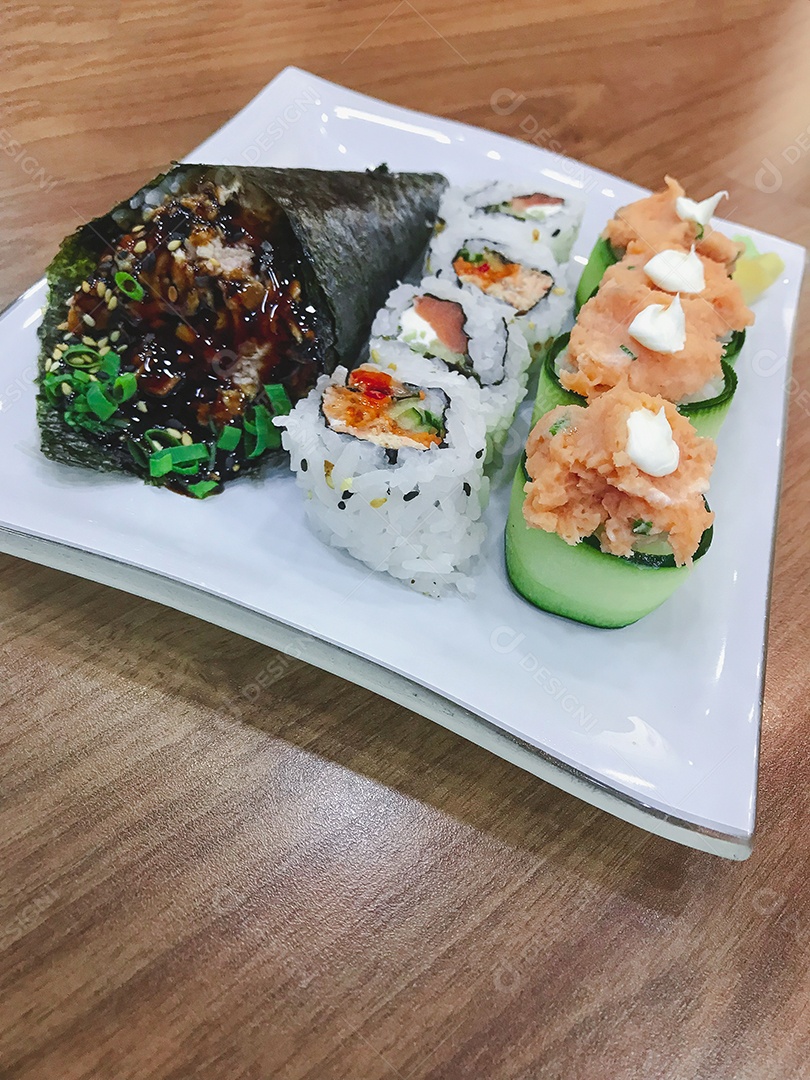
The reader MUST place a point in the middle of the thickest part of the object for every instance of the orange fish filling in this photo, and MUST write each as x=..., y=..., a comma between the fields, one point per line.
x=653, y=223
x=603, y=354
x=582, y=480
x=363, y=408
x=520, y=286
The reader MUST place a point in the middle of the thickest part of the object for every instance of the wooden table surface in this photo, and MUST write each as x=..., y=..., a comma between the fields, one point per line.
x=201, y=880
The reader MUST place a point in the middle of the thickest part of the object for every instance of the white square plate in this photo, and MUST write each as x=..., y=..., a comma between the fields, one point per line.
x=657, y=723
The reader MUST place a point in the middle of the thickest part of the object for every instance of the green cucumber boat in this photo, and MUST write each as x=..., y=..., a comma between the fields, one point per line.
x=580, y=581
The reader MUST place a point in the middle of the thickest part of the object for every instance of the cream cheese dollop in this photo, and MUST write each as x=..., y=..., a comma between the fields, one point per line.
x=701, y=212
x=660, y=328
x=650, y=445
x=415, y=329
x=676, y=271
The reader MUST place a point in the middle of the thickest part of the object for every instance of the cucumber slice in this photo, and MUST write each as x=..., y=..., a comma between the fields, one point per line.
x=581, y=582
x=706, y=416
x=601, y=257
x=731, y=350
x=550, y=392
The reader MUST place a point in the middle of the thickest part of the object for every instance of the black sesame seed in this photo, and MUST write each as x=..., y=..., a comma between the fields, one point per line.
x=304, y=465
x=466, y=488
x=347, y=495
x=410, y=495
x=341, y=505
x=391, y=456
x=556, y=232
x=479, y=453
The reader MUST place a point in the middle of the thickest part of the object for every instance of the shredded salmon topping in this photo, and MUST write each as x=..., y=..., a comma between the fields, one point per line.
x=723, y=294
x=653, y=223
x=602, y=354
x=582, y=481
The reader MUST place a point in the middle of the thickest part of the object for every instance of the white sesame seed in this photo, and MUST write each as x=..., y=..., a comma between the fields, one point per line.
x=186, y=439
x=140, y=406
x=88, y=341
x=101, y=288
x=173, y=245
x=103, y=351
x=107, y=294
x=88, y=320
x=112, y=303
x=102, y=341
x=115, y=335
x=175, y=434
x=138, y=228
x=66, y=389
x=140, y=247
x=85, y=286
x=48, y=364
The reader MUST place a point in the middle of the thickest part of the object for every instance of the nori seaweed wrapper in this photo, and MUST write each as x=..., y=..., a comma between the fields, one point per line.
x=351, y=237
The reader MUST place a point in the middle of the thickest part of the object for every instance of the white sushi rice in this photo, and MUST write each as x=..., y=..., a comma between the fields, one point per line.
x=418, y=519
x=551, y=314
x=555, y=227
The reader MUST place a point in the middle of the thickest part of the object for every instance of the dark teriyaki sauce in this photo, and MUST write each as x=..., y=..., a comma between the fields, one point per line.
x=205, y=337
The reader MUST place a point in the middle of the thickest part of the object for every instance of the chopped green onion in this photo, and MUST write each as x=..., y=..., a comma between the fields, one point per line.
x=642, y=528
x=229, y=438
x=110, y=365
x=99, y=402
x=700, y=232
x=559, y=425
x=125, y=387
x=279, y=399
x=161, y=436
x=139, y=456
x=129, y=286
x=260, y=434
x=177, y=459
x=202, y=488
x=629, y=352
x=82, y=356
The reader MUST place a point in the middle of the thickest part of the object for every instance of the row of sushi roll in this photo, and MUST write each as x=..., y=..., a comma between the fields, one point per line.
x=608, y=510
x=395, y=456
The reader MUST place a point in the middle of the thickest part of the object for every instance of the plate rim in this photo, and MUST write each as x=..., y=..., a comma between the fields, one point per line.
x=321, y=653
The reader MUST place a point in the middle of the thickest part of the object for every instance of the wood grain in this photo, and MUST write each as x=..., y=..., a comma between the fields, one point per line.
x=207, y=878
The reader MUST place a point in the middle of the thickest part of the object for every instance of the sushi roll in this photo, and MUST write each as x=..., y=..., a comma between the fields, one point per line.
x=538, y=217
x=522, y=279
x=179, y=324
x=608, y=513
x=462, y=332
x=392, y=468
